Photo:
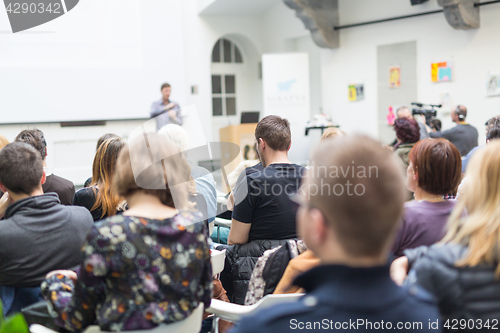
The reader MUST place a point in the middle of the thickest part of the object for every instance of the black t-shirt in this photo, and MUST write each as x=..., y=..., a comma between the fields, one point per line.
x=264, y=201
x=63, y=187
x=256, y=168
x=86, y=197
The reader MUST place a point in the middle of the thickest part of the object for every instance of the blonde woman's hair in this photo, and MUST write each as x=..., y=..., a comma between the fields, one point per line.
x=103, y=169
x=3, y=141
x=331, y=133
x=168, y=178
x=480, y=230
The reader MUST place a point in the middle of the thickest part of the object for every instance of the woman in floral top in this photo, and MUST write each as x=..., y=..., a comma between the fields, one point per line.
x=150, y=265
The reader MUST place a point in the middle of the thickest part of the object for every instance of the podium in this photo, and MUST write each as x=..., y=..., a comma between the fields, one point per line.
x=244, y=136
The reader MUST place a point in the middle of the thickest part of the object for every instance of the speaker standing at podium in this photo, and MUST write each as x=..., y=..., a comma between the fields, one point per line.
x=165, y=110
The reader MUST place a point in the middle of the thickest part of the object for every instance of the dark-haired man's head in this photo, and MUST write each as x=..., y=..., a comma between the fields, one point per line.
x=436, y=125
x=351, y=201
x=21, y=170
x=36, y=139
x=493, y=133
x=104, y=138
x=274, y=139
x=165, y=91
x=459, y=114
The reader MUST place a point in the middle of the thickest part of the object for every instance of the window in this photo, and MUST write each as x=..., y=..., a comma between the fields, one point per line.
x=224, y=95
x=226, y=51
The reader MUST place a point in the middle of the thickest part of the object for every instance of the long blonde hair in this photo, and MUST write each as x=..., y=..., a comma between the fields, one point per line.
x=480, y=230
x=103, y=169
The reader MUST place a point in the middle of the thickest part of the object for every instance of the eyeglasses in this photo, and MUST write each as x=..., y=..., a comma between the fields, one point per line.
x=299, y=201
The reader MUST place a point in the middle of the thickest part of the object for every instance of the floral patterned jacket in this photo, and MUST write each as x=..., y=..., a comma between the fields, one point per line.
x=136, y=273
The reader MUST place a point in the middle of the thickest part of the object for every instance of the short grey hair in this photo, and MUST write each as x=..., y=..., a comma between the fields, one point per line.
x=177, y=135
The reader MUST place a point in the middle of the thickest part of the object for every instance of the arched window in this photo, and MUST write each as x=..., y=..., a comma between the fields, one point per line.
x=226, y=57
x=227, y=52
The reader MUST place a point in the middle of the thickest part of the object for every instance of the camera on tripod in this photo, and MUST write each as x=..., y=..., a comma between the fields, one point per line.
x=427, y=110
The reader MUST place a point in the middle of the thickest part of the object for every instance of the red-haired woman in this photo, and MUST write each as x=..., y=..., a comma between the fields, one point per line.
x=434, y=170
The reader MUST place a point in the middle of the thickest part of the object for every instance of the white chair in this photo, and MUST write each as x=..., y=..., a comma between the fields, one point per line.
x=218, y=259
x=191, y=324
x=211, y=226
x=233, y=312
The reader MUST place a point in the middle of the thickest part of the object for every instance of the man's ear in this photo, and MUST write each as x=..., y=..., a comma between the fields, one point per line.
x=44, y=178
x=318, y=227
x=3, y=188
x=45, y=153
x=262, y=143
x=290, y=146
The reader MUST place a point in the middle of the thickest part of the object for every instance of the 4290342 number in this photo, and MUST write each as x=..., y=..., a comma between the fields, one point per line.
x=23, y=8
x=471, y=324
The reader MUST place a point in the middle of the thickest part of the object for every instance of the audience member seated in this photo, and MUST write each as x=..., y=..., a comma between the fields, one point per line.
x=262, y=206
x=463, y=271
x=148, y=266
x=434, y=171
x=493, y=134
x=3, y=142
x=103, y=138
x=463, y=136
x=305, y=260
x=264, y=216
x=407, y=133
x=493, y=122
x=436, y=125
x=100, y=199
x=64, y=188
x=331, y=133
x=235, y=176
x=37, y=234
x=351, y=232
x=405, y=113
x=205, y=183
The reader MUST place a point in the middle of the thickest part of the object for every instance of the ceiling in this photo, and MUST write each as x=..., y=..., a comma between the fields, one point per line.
x=235, y=7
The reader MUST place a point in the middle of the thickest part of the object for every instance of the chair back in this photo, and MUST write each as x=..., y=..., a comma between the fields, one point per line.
x=192, y=324
x=218, y=259
x=233, y=312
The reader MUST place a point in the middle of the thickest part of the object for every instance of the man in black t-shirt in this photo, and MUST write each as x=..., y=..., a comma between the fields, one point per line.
x=263, y=209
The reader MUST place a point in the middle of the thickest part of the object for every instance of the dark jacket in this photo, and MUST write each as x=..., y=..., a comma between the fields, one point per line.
x=239, y=265
x=341, y=298
x=463, y=136
x=39, y=235
x=461, y=292
x=63, y=187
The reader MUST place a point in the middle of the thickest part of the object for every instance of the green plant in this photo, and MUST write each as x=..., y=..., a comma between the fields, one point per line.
x=12, y=324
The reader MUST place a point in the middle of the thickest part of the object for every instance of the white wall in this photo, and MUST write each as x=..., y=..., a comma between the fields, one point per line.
x=176, y=45
x=473, y=52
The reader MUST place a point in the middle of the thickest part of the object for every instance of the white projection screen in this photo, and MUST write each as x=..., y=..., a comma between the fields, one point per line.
x=102, y=60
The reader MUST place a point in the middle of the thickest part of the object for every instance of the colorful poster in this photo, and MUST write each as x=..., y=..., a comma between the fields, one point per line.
x=493, y=85
x=395, y=77
x=441, y=72
x=356, y=92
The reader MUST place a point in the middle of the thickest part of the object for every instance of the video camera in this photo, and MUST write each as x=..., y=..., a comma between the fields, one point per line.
x=427, y=110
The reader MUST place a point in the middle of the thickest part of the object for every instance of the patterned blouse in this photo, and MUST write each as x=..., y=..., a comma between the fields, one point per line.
x=136, y=273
